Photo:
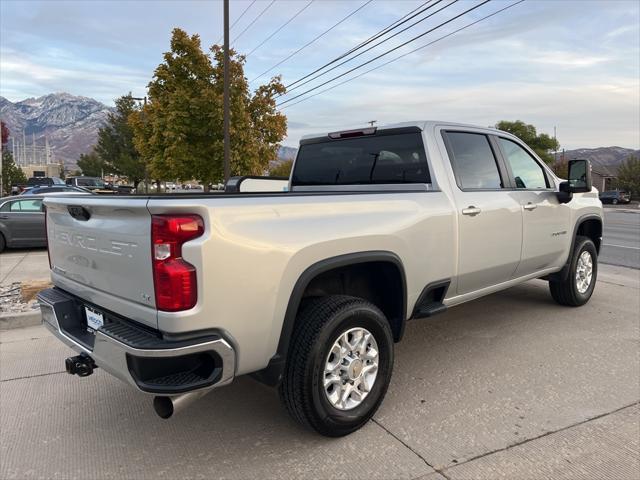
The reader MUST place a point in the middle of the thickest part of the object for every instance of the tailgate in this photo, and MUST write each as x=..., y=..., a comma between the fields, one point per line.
x=100, y=250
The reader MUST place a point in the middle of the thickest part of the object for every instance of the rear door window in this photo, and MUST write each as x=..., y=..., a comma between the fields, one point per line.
x=474, y=163
x=374, y=159
x=26, y=206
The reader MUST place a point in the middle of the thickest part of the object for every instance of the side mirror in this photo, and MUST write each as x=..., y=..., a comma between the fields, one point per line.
x=579, y=180
x=580, y=176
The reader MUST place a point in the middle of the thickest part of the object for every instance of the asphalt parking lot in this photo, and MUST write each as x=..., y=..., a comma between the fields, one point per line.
x=509, y=386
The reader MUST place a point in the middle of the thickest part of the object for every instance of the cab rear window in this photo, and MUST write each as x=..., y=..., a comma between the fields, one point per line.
x=370, y=159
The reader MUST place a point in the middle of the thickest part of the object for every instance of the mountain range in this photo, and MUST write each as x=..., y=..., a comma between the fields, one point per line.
x=71, y=125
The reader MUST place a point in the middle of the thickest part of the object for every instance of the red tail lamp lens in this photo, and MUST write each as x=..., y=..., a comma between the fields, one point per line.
x=174, y=278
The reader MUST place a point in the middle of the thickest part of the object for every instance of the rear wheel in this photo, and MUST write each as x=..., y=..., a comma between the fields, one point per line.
x=614, y=201
x=578, y=287
x=339, y=364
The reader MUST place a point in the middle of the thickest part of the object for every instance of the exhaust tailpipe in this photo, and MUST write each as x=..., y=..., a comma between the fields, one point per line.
x=166, y=407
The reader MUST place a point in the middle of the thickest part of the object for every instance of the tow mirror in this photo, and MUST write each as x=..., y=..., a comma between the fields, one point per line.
x=580, y=176
x=579, y=180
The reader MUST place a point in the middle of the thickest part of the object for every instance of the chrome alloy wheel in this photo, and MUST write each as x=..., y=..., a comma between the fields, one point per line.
x=351, y=368
x=584, y=272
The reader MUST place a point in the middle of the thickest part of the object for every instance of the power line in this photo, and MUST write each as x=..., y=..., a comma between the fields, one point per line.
x=385, y=53
x=404, y=54
x=372, y=38
x=312, y=41
x=370, y=48
x=238, y=19
x=254, y=21
x=386, y=29
x=280, y=28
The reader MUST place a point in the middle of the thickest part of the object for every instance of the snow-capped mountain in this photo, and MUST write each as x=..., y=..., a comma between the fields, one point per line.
x=70, y=123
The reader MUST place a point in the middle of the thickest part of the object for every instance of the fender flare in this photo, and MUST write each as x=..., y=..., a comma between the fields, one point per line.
x=272, y=374
x=563, y=274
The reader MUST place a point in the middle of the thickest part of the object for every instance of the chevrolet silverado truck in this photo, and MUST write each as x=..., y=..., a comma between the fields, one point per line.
x=308, y=290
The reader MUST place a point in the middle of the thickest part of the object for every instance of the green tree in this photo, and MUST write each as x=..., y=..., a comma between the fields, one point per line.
x=115, y=145
x=283, y=169
x=541, y=143
x=629, y=175
x=11, y=173
x=91, y=164
x=180, y=129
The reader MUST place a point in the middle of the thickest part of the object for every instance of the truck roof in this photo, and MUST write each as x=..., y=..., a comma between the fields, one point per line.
x=421, y=124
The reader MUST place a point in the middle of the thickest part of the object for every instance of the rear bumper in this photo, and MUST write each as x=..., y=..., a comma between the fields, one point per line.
x=136, y=355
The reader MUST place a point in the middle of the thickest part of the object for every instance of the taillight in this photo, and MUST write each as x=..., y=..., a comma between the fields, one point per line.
x=174, y=279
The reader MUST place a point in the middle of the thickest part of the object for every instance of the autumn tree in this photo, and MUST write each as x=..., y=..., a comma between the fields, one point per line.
x=4, y=136
x=180, y=129
x=541, y=143
x=629, y=175
x=91, y=164
x=115, y=145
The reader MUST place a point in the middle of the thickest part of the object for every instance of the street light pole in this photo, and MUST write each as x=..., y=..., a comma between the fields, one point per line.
x=225, y=107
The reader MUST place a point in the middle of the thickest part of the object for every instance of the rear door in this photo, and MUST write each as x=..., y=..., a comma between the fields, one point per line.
x=545, y=229
x=25, y=221
x=489, y=216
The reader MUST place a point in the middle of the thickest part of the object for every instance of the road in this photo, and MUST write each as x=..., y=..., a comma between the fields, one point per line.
x=509, y=386
x=621, y=238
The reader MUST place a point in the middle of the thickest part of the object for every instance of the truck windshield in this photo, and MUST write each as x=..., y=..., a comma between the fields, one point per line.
x=375, y=159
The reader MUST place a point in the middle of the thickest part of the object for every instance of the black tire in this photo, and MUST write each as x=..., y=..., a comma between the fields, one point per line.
x=3, y=243
x=319, y=324
x=614, y=201
x=565, y=292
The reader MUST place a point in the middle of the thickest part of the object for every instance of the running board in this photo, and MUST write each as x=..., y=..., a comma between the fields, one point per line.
x=430, y=309
x=430, y=301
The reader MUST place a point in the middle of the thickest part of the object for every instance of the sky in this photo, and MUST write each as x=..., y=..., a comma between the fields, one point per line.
x=573, y=65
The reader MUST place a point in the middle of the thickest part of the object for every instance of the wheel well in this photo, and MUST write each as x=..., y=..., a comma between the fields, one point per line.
x=380, y=283
x=591, y=228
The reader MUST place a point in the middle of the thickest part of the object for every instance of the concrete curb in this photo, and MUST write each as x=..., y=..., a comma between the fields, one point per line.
x=9, y=321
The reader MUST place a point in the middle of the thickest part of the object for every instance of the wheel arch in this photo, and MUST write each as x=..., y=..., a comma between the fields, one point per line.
x=589, y=225
x=328, y=270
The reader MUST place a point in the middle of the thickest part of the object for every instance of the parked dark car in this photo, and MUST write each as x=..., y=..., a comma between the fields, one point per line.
x=92, y=183
x=22, y=222
x=615, y=197
x=44, y=181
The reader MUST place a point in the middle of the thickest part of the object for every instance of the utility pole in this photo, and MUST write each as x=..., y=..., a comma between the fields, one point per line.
x=371, y=122
x=225, y=113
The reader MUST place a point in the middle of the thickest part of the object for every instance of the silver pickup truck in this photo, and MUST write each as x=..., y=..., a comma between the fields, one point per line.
x=309, y=290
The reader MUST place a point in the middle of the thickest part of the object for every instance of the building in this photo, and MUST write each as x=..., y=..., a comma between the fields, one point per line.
x=35, y=159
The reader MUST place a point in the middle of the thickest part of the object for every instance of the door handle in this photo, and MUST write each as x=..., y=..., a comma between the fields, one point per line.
x=530, y=206
x=471, y=210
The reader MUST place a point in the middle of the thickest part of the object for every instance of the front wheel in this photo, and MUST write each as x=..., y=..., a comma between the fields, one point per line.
x=614, y=201
x=577, y=288
x=339, y=364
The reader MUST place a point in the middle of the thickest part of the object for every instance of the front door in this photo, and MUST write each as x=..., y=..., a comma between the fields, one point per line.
x=489, y=214
x=546, y=232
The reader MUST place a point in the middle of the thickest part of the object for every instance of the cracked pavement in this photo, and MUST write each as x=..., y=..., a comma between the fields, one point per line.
x=508, y=386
